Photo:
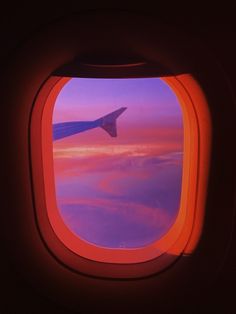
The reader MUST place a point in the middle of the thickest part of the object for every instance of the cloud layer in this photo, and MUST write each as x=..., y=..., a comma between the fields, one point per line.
x=124, y=191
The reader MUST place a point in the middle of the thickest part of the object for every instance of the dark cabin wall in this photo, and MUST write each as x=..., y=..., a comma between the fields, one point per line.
x=215, y=28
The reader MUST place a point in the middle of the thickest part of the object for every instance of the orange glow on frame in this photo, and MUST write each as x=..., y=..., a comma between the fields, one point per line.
x=197, y=141
x=185, y=232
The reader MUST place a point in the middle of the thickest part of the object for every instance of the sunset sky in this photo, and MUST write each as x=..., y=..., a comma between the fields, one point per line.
x=122, y=191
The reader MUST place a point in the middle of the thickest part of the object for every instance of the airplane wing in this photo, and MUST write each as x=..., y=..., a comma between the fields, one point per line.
x=107, y=123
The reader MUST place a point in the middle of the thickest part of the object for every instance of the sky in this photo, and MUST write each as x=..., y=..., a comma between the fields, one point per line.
x=119, y=191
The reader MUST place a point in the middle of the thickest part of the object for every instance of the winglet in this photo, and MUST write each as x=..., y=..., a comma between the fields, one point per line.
x=108, y=122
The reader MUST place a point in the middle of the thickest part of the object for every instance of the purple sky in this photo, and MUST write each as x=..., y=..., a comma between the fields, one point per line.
x=123, y=191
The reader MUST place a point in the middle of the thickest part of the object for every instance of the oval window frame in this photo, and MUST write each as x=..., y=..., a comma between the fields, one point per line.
x=181, y=239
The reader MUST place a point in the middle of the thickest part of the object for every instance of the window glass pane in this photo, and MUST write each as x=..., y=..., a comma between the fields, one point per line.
x=118, y=154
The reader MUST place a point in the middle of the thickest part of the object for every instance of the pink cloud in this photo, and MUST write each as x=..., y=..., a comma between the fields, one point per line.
x=131, y=211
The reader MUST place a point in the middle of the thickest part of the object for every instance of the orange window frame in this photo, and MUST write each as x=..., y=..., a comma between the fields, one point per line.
x=184, y=234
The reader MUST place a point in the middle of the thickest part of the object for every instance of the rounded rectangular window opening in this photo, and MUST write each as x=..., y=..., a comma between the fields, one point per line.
x=120, y=167
x=118, y=160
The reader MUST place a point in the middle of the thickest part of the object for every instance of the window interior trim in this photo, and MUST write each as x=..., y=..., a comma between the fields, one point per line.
x=182, y=238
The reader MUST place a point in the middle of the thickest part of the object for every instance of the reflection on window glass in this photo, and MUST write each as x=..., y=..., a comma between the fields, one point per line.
x=118, y=151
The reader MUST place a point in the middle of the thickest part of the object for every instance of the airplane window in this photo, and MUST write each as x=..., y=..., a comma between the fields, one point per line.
x=118, y=159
